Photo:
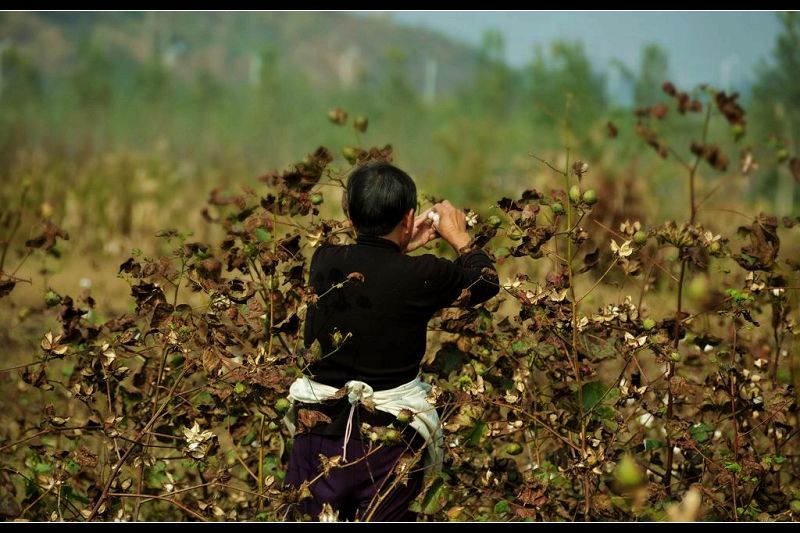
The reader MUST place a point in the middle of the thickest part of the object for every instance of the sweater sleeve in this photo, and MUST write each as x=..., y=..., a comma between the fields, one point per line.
x=442, y=281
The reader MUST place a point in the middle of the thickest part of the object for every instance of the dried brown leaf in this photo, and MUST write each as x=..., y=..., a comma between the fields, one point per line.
x=308, y=418
x=794, y=167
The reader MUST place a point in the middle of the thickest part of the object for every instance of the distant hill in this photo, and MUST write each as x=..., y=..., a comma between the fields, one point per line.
x=328, y=47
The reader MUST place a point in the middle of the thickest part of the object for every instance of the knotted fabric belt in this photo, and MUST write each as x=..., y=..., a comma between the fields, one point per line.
x=412, y=396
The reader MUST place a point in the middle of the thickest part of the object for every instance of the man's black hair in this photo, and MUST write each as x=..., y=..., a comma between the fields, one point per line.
x=378, y=196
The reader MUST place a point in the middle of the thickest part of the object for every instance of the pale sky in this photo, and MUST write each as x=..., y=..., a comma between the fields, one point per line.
x=721, y=48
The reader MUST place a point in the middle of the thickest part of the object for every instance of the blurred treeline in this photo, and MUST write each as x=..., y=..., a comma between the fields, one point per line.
x=121, y=122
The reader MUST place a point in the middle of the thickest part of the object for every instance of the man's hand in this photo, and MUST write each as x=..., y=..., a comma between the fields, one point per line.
x=423, y=232
x=452, y=225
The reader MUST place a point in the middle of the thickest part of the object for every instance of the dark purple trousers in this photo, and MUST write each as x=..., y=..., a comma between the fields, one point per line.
x=351, y=488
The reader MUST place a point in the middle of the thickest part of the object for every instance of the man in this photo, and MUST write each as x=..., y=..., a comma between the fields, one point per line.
x=371, y=328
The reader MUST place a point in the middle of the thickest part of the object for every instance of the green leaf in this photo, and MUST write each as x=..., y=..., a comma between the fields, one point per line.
x=501, y=507
x=250, y=437
x=607, y=415
x=435, y=498
x=701, y=432
x=72, y=466
x=612, y=396
x=477, y=434
x=652, y=444
x=519, y=347
x=448, y=359
x=604, y=412
x=262, y=235
x=733, y=467
x=592, y=392
x=513, y=448
x=628, y=472
x=155, y=476
x=599, y=350
x=68, y=369
x=69, y=493
x=239, y=388
x=204, y=398
x=611, y=425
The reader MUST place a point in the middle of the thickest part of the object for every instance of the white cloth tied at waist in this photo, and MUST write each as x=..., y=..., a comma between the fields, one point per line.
x=412, y=396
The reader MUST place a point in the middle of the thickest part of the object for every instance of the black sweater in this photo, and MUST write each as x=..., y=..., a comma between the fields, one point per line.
x=383, y=319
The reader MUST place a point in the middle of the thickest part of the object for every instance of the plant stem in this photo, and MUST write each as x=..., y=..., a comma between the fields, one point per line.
x=137, y=502
x=574, y=313
x=174, y=502
x=734, y=394
x=162, y=365
x=670, y=373
x=777, y=315
x=261, y=465
x=676, y=332
x=115, y=472
x=599, y=280
x=17, y=222
x=574, y=305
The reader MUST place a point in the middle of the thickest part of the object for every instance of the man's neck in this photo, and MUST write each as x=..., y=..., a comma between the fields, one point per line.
x=396, y=236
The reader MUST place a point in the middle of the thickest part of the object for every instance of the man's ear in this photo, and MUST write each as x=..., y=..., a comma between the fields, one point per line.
x=408, y=221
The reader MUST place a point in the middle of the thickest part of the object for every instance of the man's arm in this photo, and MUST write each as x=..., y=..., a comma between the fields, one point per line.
x=486, y=285
x=473, y=270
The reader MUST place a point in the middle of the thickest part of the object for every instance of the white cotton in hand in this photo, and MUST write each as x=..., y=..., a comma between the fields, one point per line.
x=433, y=216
